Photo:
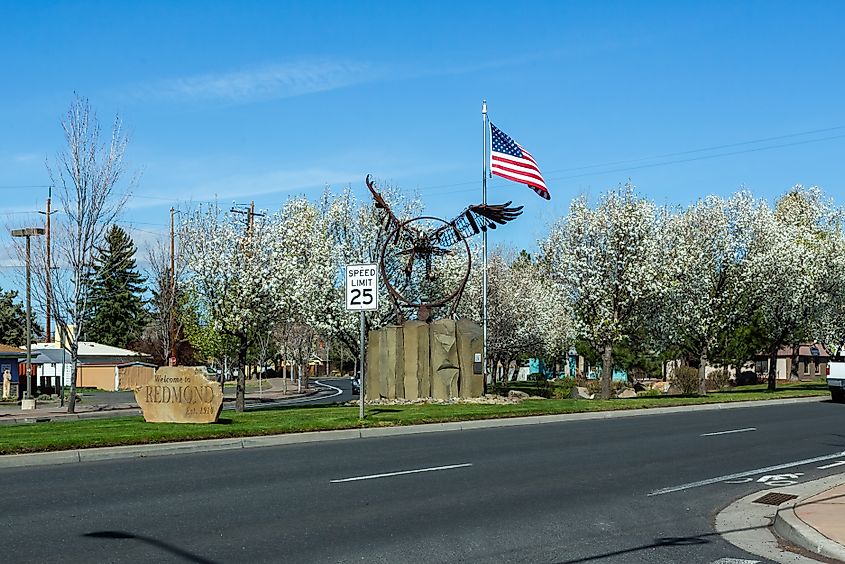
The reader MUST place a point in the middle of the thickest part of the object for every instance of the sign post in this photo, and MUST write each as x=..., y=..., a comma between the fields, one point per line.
x=361, y=296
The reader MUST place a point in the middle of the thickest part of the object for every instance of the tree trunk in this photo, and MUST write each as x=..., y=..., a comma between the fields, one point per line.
x=793, y=370
x=240, y=396
x=702, y=372
x=71, y=402
x=606, y=370
x=773, y=359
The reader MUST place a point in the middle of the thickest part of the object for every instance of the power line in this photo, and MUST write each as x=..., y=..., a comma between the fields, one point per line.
x=701, y=158
x=669, y=162
x=702, y=150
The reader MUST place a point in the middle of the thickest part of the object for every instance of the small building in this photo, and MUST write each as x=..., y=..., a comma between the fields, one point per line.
x=812, y=362
x=98, y=365
x=10, y=358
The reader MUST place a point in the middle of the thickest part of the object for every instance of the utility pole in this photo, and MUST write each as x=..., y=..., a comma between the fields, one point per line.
x=250, y=215
x=28, y=233
x=49, y=279
x=48, y=285
x=172, y=328
x=250, y=223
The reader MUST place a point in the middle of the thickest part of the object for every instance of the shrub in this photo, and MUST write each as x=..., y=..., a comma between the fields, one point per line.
x=747, y=378
x=718, y=379
x=686, y=379
x=562, y=388
x=649, y=394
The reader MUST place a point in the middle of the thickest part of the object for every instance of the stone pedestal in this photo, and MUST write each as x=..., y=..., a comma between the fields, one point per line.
x=417, y=366
x=424, y=360
x=372, y=383
x=393, y=363
x=27, y=404
x=470, y=342
x=444, y=359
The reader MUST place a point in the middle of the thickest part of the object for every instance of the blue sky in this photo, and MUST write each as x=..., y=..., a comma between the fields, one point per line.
x=262, y=100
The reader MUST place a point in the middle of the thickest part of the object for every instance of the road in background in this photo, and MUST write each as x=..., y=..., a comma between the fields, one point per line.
x=633, y=489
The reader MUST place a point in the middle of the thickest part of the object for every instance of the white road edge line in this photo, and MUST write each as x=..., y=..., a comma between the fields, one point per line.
x=729, y=432
x=337, y=390
x=295, y=401
x=825, y=467
x=718, y=479
x=388, y=474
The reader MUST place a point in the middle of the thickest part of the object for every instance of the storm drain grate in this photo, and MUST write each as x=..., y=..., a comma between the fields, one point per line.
x=775, y=498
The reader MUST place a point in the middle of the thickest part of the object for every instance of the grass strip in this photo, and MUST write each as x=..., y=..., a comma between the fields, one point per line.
x=88, y=433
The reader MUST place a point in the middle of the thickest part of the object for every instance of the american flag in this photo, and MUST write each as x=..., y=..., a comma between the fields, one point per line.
x=509, y=160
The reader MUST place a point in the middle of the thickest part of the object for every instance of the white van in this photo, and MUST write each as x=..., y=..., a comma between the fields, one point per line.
x=836, y=381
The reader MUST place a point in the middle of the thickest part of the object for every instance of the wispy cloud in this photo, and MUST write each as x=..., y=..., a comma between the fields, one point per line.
x=266, y=82
x=304, y=76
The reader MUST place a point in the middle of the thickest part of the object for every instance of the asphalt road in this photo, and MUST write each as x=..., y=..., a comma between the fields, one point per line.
x=639, y=489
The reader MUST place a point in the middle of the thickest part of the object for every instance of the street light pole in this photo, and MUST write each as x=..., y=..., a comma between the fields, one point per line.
x=28, y=233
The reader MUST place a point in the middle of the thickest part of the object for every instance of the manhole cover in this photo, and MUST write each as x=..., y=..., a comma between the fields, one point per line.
x=775, y=498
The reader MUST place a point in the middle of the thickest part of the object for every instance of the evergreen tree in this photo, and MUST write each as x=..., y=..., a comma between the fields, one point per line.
x=13, y=321
x=116, y=308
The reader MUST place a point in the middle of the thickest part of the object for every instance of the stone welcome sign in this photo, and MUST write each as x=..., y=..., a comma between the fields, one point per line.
x=179, y=394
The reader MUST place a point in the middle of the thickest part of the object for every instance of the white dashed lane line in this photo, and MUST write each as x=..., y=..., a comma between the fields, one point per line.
x=837, y=463
x=745, y=474
x=747, y=429
x=402, y=473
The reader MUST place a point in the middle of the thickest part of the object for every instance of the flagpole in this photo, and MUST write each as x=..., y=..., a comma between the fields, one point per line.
x=484, y=245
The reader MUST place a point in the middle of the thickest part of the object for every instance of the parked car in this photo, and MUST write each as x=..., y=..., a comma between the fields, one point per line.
x=836, y=381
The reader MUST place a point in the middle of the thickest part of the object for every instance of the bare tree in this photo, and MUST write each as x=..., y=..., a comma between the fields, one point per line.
x=166, y=326
x=87, y=175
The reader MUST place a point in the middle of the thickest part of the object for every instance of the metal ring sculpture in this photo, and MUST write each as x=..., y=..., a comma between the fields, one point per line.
x=422, y=249
x=425, y=244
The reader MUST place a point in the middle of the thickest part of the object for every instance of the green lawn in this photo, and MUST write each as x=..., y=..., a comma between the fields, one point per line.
x=62, y=435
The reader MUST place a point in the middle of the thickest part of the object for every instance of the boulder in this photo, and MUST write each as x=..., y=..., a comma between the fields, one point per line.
x=580, y=392
x=627, y=393
x=179, y=394
x=516, y=394
x=662, y=387
x=673, y=390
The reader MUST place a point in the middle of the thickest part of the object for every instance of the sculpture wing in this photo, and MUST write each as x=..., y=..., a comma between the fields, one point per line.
x=389, y=220
x=474, y=220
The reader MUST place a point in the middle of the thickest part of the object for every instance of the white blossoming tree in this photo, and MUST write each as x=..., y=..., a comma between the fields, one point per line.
x=230, y=270
x=607, y=260
x=525, y=314
x=798, y=261
x=709, y=274
x=357, y=235
x=307, y=280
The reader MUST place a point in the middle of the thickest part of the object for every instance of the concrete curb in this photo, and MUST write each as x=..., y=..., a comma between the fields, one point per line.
x=209, y=445
x=789, y=526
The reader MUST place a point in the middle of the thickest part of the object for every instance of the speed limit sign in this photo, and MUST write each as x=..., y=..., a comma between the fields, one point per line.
x=361, y=287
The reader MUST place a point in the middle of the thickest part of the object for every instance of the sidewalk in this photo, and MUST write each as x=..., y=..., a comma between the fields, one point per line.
x=798, y=524
x=815, y=520
x=273, y=389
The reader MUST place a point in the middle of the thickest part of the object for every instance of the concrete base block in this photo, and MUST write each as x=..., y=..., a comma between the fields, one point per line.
x=27, y=404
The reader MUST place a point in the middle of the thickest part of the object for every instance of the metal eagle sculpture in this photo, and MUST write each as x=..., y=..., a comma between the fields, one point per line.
x=416, y=241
